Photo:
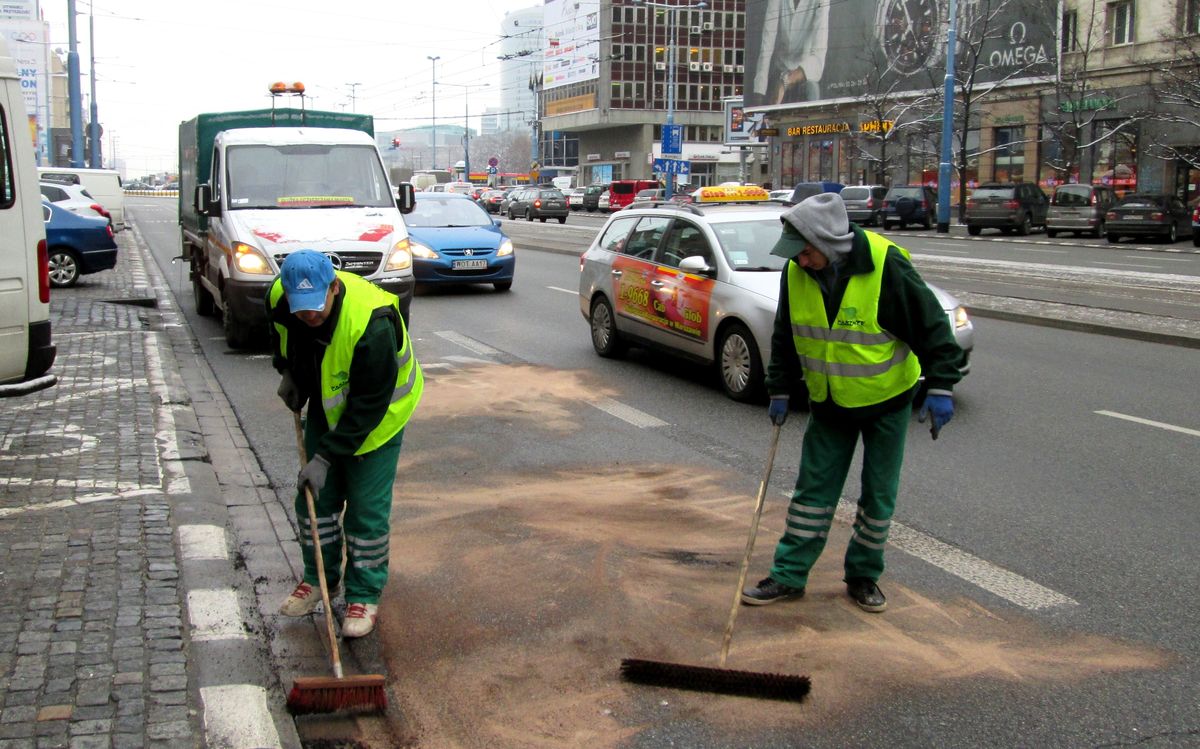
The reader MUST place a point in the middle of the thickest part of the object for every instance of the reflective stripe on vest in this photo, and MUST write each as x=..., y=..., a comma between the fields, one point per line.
x=853, y=358
x=359, y=303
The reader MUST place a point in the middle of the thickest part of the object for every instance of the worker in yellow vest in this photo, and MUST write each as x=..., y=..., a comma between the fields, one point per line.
x=858, y=324
x=340, y=344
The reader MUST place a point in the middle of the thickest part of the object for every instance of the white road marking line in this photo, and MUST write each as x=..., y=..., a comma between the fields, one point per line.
x=1038, y=249
x=468, y=343
x=170, y=465
x=214, y=614
x=980, y=572
x=1128, y=265
x=80, y=500
x=628, y=414
x=202, y=542
x=565, y=291
x=468, y=360
x=1163, y=259
x=236, y=717
x=1149, y=423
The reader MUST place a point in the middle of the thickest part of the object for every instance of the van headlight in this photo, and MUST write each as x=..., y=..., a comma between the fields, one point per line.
x=250, y=259
x=505, y=248
x=401, y=257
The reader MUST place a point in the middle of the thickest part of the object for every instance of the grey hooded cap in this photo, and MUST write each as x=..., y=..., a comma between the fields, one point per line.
x=820, y=221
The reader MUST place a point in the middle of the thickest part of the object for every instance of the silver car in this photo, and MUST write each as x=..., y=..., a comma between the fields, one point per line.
x=698, y=279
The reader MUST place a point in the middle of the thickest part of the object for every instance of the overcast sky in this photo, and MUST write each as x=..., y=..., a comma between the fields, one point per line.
x=159, y=62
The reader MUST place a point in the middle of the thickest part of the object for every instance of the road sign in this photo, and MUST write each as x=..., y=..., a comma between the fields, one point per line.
x=492, y=169
x=493, y=162
x=672, y=166
x=672, y=140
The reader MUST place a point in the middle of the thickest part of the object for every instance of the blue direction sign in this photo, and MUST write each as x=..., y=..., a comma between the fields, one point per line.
x=672, y=140
x=672, y=166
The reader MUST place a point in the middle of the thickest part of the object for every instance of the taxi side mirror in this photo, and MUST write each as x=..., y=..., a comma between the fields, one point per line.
x=697, y=265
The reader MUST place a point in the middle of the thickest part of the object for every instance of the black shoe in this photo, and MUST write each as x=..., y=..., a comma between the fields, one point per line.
x=770, y=591
x=866, y=594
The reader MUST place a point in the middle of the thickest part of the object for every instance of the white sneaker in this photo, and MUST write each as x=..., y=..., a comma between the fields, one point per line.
x=304, y=600
x=360, y=619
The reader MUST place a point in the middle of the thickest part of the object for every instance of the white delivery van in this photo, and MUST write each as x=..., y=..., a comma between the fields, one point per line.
x=102, y=184
x=26, y=352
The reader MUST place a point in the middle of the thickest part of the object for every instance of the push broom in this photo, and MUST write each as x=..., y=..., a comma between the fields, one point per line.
x=327, y=694
x=722, y=680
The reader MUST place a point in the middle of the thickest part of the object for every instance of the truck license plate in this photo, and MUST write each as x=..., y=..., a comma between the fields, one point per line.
x=469, y=265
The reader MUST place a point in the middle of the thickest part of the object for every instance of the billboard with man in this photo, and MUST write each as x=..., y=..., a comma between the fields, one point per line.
x=814, y=50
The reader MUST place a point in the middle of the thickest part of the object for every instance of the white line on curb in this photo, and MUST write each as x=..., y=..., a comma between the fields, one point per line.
x=202, y=542
x=215, y=615
x=1149, y=423
x=468, y=343
x=236, y=717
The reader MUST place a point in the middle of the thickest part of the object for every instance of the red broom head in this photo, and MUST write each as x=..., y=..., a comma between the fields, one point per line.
x=329, y=695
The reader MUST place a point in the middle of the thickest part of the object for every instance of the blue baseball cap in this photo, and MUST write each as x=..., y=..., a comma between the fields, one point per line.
x=306, y=275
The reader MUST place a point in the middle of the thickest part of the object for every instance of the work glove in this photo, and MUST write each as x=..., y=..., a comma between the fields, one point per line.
x=778, y=410
x=290, y=393
x=939, y=409
x=313, y=474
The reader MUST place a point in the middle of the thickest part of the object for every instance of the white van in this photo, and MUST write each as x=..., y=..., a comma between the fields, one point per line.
x=26, y=352
x=103, y=184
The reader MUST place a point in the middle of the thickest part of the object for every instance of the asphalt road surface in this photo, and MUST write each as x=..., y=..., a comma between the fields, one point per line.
x=556, y=512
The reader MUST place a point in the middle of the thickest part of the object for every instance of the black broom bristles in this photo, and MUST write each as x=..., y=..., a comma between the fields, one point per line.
x=716, y=680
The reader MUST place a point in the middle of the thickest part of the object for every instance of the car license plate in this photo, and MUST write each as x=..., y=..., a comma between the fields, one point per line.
x=469, y=265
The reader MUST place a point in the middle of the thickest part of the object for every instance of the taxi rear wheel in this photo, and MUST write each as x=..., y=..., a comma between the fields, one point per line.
x=739, y=364
x=605, y=338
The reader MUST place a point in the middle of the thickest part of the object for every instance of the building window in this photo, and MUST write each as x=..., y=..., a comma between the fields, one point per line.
x=1191, y=17
x=1070, y=31
x=1120, y=22
x=1010, y=154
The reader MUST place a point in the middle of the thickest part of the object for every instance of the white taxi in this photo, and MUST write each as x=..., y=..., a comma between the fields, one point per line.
x=699, y=279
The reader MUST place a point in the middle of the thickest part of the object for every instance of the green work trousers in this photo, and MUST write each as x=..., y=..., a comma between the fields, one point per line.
x=824, y=462
x=362, y=487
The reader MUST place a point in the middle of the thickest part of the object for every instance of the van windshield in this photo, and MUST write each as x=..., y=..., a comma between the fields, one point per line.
x=306, y=176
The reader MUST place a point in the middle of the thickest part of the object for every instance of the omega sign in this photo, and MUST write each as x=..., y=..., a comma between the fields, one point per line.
x=1018, y=53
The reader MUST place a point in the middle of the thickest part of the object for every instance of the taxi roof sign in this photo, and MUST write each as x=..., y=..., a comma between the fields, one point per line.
x=731, y=194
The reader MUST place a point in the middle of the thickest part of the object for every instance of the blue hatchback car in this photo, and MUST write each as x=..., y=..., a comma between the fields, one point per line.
x=77, y=245
x=454, y=240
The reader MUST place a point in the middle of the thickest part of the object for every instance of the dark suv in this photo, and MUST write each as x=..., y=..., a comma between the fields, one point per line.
x=909, y=204
x=591, y=196
x=540, y=203
x=1009, y=207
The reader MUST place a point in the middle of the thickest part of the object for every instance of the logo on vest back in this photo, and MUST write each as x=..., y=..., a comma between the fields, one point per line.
x=847, y=317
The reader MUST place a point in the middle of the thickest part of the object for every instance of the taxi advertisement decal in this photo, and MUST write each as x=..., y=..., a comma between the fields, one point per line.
x=680, y=304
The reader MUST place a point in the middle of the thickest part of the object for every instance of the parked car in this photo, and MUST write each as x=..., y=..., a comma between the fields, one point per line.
x=137, y=185
x=700, y=281
x=574, y=198
x=77, y=245
x=1079, y=209
x=622, y=191
x=462, y=188
x=1196, y=226
x=1009, y=207
x=540, y=203
x=454, y=240
x=603, y=203
x=591, y=196
x=780, y=194
x=75, y=198
x=491, y=200
x=909, y=204
x=1142, y=215
x=804, y=190
x=864, y=203
x=170, y=187
x=647, y=197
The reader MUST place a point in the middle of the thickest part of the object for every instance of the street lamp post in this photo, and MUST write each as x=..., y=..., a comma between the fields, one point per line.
x=672, y=48
x=433, y=59
x=466, y=118
x=94, y=160
x=73, y=89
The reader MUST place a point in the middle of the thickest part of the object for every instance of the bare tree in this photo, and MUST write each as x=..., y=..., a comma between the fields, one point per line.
x=1176, y=87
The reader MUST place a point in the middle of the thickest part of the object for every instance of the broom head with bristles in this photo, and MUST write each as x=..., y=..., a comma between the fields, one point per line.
x=716, y=680
x=329, y=694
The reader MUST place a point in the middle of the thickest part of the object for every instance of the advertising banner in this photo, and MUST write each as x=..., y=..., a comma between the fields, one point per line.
x=572, y=32
x=815, y=50
x=27, y=44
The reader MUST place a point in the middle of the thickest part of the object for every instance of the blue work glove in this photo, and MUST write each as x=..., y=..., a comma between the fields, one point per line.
x=778, y=410
x=939, y=409
x=313, y=474
x=290, y=393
